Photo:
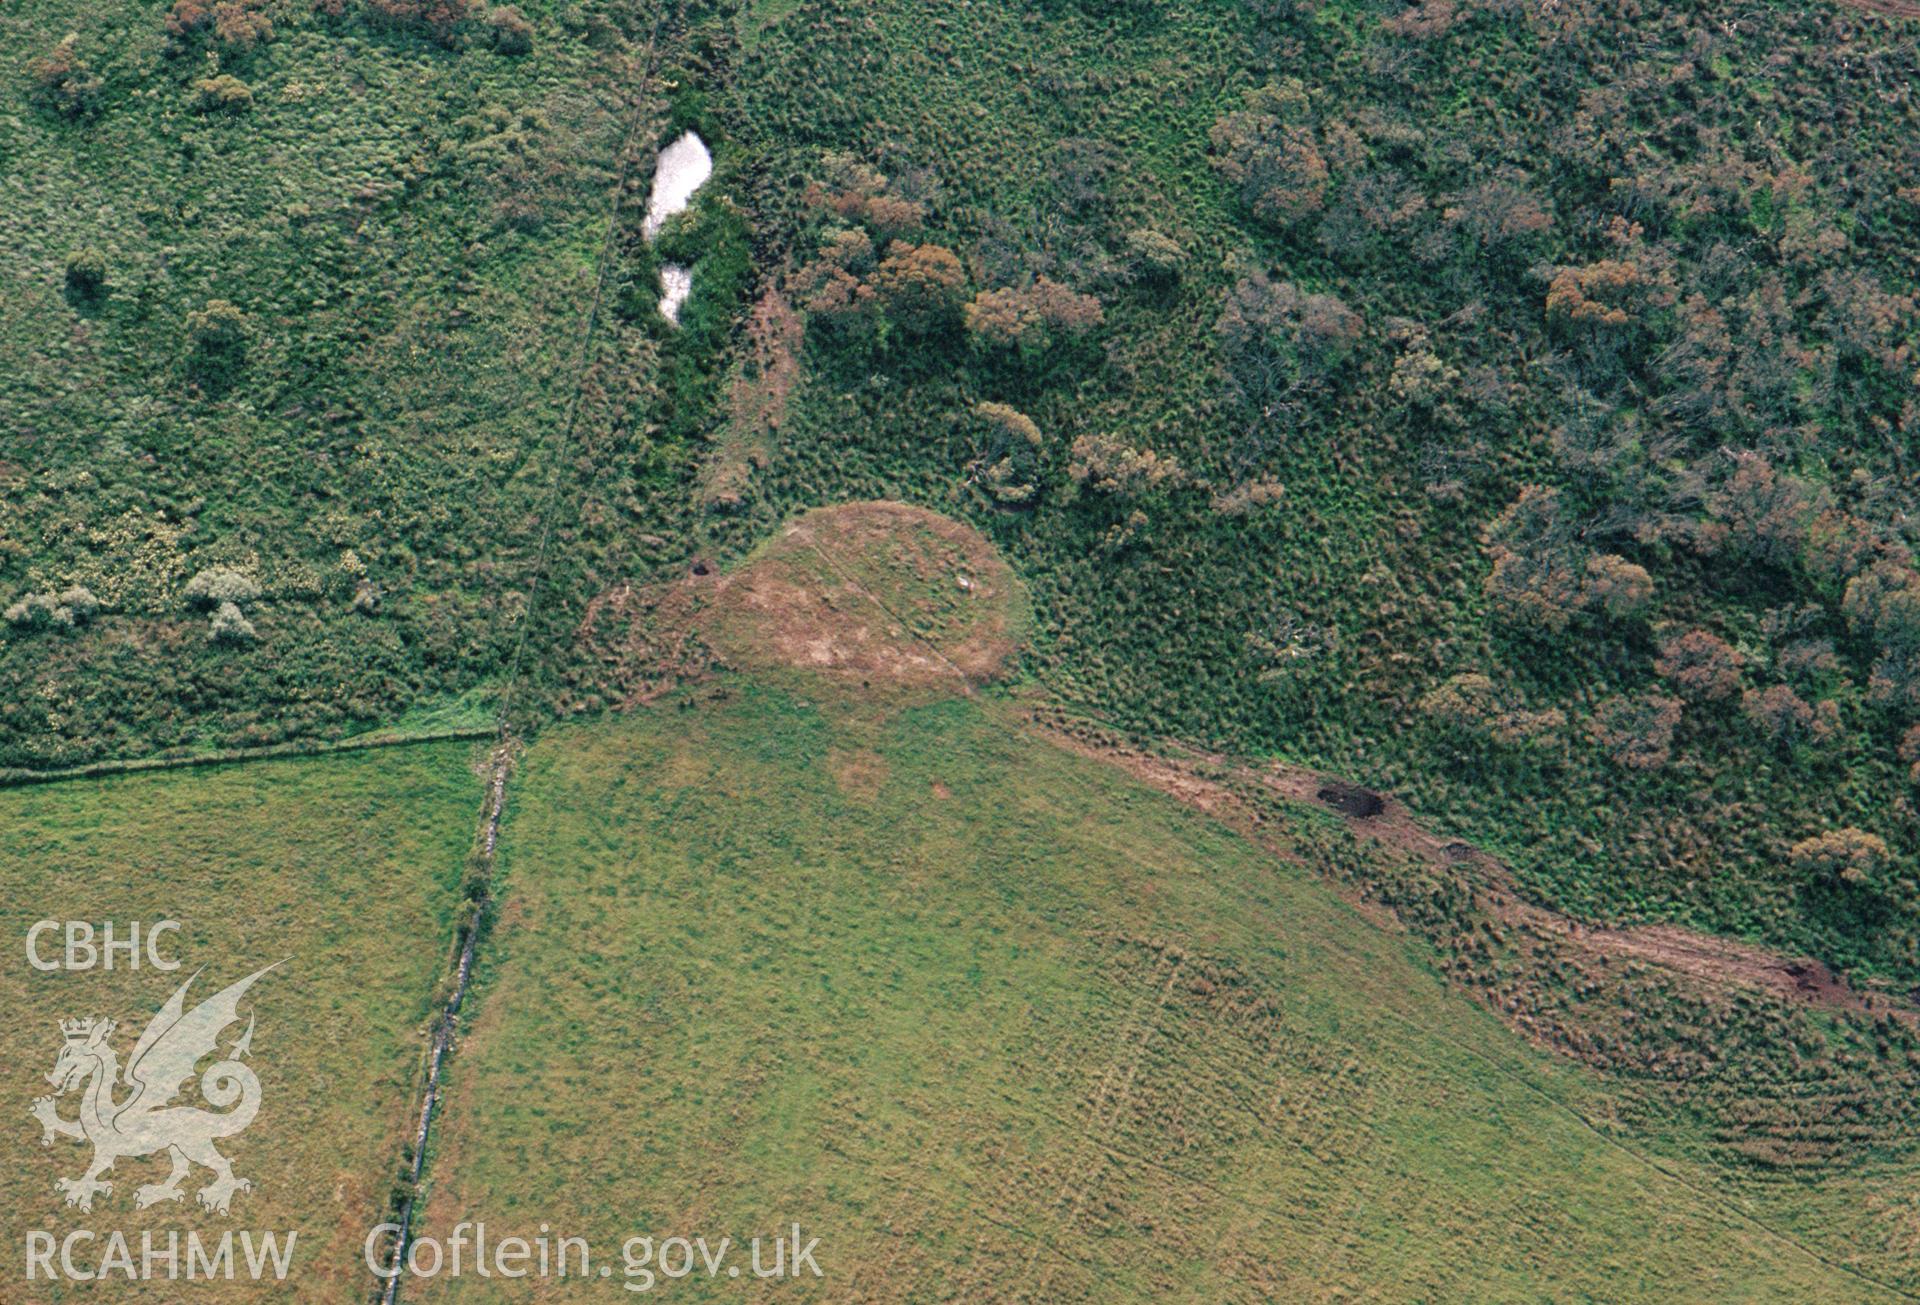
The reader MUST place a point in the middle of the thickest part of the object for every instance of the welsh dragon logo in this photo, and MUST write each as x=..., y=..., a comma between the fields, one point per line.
x=143, y=1123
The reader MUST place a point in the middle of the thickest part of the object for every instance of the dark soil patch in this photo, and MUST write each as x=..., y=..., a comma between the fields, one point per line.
x=1352, y=800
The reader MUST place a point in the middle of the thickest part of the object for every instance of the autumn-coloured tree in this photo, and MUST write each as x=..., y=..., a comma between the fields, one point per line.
x=1107, y=465
x=1608, y=304
x=439, y=19
x=1702, y=667
x=833, y=288
x=240, y=25
x=860, y=193
x=1268, y=152
x=64, y=81
x=1498, y=212
x=1838, y=546
x=1784, y=717
x=1849, y=856
x=1603, y=293
x=920, y=287
x=1030, y=318
x=1761, y=514
x=1613, y=585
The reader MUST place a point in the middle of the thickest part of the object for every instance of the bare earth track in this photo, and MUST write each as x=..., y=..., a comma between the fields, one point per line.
x=1208, y=781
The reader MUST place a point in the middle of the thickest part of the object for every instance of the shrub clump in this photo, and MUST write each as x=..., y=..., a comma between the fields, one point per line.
x=86, y=271
x=230, y=625
x=64, y=81
x=509, y=30
x=217, y=585
x=223, y=94
x=69, y=609
x=1008, y=447
x=218, y=335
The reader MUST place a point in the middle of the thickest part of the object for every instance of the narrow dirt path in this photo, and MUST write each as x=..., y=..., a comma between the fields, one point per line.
x=1207, y=781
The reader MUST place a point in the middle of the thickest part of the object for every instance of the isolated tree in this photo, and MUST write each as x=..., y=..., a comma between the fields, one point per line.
x=1838, y=546
x=64, y=81
x=86, y=271
x=920, y=287
x=230, y=625
x=1497, y=212
x=439, y=19
x=1762, y=514
x=1279, y=347
x=240, y=27
x=1470, y=706
x=1613, y=585
x=1849, y=856
x=1108, y=465
x=1031, y=317
x=72, y=607
x=1152, y=256
x=1268, y=152
x=861, y=193
x=218, y=334
x=221, y=584
x=1007, y=453
x=1883, y=603
x=509, y=29
x=223, y=94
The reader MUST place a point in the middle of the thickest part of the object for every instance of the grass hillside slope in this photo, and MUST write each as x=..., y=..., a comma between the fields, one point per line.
x=992, y=1019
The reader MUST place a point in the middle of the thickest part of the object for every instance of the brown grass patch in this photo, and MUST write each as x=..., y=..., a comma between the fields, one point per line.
x=757, y=398
x=858, y=771
x=877, y=594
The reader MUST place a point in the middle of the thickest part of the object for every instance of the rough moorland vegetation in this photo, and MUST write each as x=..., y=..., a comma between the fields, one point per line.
x=1511, y=405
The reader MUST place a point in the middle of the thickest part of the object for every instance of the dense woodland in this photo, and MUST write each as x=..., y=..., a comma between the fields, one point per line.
x=1511, y=405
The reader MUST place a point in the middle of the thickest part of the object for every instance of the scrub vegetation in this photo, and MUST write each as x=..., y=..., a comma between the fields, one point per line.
x=1506, y=411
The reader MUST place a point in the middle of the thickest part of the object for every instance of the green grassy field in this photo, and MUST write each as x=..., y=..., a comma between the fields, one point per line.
x=991, y=1020
x=347, y=866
